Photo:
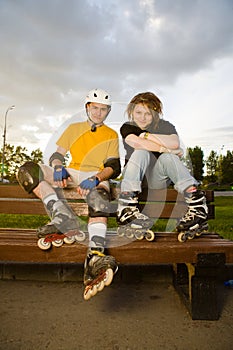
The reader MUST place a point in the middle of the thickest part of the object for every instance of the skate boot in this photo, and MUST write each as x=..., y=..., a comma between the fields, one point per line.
x=194, y=222
x=98, y=272
x=63, y=228
x=133, y=224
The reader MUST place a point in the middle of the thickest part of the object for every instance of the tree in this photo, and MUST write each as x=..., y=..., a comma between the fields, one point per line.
x=211, y=166
x=15, y=157
x=227, y=168
x=197, y=160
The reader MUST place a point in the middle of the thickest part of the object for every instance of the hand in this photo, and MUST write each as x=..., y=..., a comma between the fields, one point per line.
x=60, y=175
x=179, y=152
x=89, y=183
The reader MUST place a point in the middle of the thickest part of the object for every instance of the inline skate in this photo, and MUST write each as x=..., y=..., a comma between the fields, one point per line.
x=132, y=223
x=63, y=228
x=194, y=222
x=99, y=270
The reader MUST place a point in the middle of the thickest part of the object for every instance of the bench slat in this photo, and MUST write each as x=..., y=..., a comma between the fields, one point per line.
x=153, y=210
x=168, y=195
x=15, y=245
x=160, y=203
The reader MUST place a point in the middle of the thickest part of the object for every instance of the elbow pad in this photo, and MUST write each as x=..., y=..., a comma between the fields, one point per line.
x=56, y=155
x=115, y=164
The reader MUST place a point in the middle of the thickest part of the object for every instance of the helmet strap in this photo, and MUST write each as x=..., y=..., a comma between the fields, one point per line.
x=94, y=125
x=93, y=128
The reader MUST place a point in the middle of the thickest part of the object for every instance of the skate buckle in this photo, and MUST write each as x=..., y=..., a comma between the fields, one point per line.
x=96, y=252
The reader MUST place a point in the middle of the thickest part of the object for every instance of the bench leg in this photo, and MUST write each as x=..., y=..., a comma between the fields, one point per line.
x=200, y=285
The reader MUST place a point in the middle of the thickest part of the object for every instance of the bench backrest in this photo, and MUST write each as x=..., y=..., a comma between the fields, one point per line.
x=154, y=203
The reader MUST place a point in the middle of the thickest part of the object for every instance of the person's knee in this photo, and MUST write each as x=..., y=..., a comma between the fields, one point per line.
x=98, y=201
x=141, y=152
x=29, y=176
x=168, y=158
x=140, y=155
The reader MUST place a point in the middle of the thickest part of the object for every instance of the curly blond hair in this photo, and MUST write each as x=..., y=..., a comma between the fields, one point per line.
x=149, y=100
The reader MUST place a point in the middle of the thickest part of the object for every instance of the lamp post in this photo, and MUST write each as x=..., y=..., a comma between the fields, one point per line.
x=220, y=166
x=4, y=139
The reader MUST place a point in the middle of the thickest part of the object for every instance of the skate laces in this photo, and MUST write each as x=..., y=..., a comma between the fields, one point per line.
x=194, y=211
x=139, y=215
x=196, y=207
x=134, y=213
x=97, y=261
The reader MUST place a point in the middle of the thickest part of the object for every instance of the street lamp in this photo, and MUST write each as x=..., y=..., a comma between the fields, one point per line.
x=220, y=166
x=4, y=139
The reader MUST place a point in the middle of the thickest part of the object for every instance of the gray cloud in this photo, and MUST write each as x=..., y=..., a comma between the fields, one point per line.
x=53, y=52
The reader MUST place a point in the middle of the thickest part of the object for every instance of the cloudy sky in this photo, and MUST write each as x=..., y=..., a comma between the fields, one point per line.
x=53, y=52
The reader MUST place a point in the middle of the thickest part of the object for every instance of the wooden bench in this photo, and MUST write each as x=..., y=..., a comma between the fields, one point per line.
x=198, y=265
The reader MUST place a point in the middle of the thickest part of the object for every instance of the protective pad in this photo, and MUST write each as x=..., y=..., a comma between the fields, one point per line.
x=56, y=155
x=115, y=164
x=98, y=201
x=29, y=176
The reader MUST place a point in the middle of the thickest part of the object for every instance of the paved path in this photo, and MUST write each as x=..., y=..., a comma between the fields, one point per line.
x=223, y=193
x=133, y=315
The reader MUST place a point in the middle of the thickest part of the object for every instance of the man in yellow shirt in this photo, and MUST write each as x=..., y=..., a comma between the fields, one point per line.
x=94, y=149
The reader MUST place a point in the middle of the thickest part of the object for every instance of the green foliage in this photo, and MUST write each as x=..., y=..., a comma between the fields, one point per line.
x=23, y=221
x=211, y=165
x=197, y=159
x=223, y=222
x=227, y=168
x=219, y=168
x=15, y=156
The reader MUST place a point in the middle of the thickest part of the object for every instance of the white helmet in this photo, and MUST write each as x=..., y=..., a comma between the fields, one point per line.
x=98, y=96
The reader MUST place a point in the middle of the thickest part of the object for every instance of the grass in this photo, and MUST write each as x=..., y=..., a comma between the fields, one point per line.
x=222, y=224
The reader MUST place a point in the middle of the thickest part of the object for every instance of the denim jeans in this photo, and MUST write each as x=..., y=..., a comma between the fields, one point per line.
x=158, y=173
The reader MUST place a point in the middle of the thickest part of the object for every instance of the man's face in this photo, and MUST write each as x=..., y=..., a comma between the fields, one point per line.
x=97, y=112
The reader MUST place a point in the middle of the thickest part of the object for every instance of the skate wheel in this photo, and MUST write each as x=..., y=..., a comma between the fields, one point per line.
x=129, y=233
x=182, y=237
x=100, y=286
x=139, y=235
x=94, y=290
x=57, y=243
x=43, y=245
x=150, y=236
x=80, y=237
x=191, y=235
x=87, y=293
x=121, y=232
x=69, y=240
x=198, y=234
x=108, y=277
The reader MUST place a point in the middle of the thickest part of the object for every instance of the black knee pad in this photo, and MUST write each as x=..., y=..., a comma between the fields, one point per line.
x=29, y=176
x=98, y=201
